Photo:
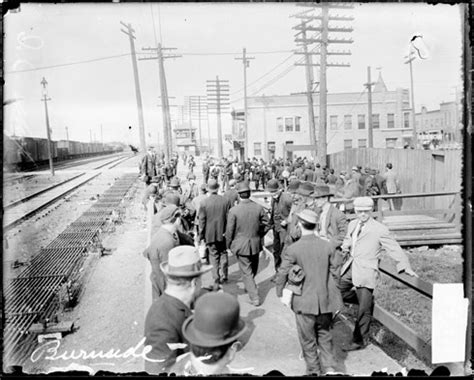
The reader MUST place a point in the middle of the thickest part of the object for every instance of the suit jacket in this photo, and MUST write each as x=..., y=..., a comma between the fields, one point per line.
x=280, y=209
x=391, y=181
x=148, y=165
x=233, y=196
x=336, y=226
x=313, y=254
x=213, y=218
x=157, y=252
x=373, y=238
x=247, y=223
x=163, y=325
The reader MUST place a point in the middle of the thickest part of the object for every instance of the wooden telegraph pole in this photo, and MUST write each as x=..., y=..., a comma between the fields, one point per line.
x=246, y=62
x=141, y=125
x=198, y=105
x=164, y=96
x=217, y=101
x=323, y=40
x=45, y=99
x=369, y=85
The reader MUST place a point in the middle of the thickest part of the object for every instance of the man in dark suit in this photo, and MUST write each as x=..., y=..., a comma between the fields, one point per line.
x=313, y=306
x=247, y=223
x=280, y=211
x=148, y=165
x=231, y=194
x=165, y=318
x=212, y=225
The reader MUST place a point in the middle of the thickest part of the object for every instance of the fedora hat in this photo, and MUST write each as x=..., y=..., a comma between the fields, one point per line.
x=216, y=321
x=184, y=261
x=174, y=182
x=321, y=191
x=308, y=216
x=273, y=186
x=305, y=189
x=243, y=187
x=212, y=185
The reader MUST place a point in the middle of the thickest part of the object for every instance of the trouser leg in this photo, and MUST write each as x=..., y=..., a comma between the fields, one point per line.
x=246, y=265
x=277, y=248
x=224, y=267
x=364, y=315
x=214, y=258
x=324, y=340
x=306, y=327
x=345, y=286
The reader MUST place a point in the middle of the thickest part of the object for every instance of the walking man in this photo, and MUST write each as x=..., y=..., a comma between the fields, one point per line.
x=212, y=226
x=247, y=223
x=365, y=240
x=312, y=307
x=148, y=165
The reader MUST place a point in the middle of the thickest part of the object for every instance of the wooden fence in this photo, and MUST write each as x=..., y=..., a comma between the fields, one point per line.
x=419, y=171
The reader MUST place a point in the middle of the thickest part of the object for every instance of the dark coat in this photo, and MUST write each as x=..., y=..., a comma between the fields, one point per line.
x=233, y=196
x=313, y=254
x=280, y=209
x=148, y=166
x=336, y=226
x=213, y=218
x=247, y=223
x=163, y=325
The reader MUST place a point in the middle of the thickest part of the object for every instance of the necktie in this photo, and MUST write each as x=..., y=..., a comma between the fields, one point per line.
x=355, y=235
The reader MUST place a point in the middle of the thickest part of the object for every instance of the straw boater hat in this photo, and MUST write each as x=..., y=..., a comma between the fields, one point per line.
x=184, y=261
x=216, y=321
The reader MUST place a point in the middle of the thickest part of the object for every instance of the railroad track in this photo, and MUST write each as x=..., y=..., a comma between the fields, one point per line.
x=23, y=209
x=35, y=295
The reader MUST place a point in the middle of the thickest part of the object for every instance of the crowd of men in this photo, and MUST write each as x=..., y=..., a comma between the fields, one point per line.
x=321, y=260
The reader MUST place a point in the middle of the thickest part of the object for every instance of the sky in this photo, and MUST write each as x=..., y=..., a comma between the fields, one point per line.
x=86, y=61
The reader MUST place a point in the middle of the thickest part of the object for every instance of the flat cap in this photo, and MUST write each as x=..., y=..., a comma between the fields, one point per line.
x=363, y=203
x=308, y=216
x=168, y=212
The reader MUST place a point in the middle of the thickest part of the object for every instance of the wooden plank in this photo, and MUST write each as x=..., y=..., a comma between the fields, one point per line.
x=401, y=227
x=415, y=283
x=413, y=243
x=60, y=327
x=425, y=212
x=434, y=237
x=403, y=331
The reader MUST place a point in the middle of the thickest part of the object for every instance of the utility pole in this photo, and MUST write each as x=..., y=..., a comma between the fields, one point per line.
x=102, y=137
x=218, y=100
x=246, y=63
x=369, y=85
x=45, y=99
x=198, y=107
x=141, y=125
x=323, y=40
x=409, y=60
x=67, y=136
x=164, y=96
x=265, y=101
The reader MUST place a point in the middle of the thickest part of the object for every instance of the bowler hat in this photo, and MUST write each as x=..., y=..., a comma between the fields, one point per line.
x=273, y=186
x=174, y=182
x=321, y=191
x=215, y=322
x=305, y=189
x=293, y=186
x=308, y=215
x=168, y=212
x=295, y=279
x=212, y=185
x=243, y=187
x=363, y=203
x=184, y=261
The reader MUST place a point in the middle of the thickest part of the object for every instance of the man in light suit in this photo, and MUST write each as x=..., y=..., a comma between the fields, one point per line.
x=393, y=186
x=363, y=244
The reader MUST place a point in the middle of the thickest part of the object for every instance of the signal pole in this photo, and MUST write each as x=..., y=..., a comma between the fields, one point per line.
x=246, y=63
x=323, y=40
x=45, y=99
x=369, y=85
x=218, y=100
x=141, y=125
x=164, y=96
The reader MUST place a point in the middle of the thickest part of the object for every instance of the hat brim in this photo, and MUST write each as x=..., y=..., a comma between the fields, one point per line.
x=304, y=192
x=165, y=269
x=193, y=337
x=363, y=208
x=315, y=195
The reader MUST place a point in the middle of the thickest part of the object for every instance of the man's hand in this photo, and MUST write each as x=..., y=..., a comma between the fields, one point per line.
x=410, y=272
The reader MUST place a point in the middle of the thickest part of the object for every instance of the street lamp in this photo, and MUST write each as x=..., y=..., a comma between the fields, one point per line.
x=45, y=99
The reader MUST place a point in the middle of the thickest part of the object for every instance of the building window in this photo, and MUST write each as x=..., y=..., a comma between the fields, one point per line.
x=333, y=122
x=406, y=120
x=347, y=121
x=375, y=121
x=362, y=143
x=288, y=124
x=390, y=120
x=279, y=124
x=347, y=144
x=390, y=142
x=361, y=121
x=257, y=149
x=271, y=146
x=297, y=123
